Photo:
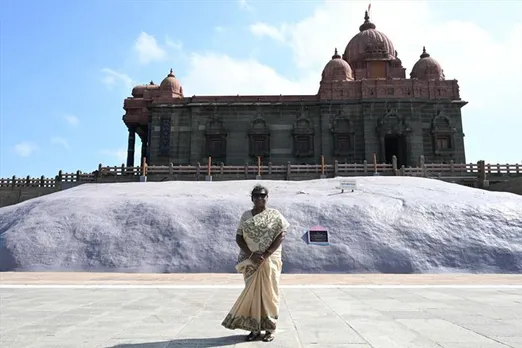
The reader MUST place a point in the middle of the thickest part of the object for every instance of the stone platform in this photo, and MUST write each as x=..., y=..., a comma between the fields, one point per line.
x=328, y=310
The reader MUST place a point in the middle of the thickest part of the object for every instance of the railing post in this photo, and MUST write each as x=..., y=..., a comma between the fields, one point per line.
x=482, y=181
x=143, y=177
x=258, y=176
x=394, y=165
x=209, y=169
x=288, y=170
x=336, y=168
x=375, y=164
x=422, y=162
x=323, y=171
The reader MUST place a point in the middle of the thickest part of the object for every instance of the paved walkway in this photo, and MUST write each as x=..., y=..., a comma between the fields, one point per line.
x=185, y=310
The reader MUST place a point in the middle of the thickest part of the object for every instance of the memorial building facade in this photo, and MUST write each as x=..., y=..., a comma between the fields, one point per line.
x=364, y=105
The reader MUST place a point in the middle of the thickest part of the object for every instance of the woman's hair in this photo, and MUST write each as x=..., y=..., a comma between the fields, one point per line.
x=258, y=188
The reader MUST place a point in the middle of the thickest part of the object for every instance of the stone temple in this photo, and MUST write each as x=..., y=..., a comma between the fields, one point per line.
x=364, y=105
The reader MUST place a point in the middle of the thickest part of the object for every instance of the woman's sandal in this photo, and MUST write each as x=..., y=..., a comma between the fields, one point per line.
x=269, y=337
x=253, y=335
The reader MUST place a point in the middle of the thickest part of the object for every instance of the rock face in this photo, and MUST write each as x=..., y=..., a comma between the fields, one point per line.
x=388, y=225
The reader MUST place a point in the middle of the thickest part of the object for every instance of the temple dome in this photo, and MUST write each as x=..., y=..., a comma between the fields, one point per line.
x=138, y=91
x=171, y=85
x=368, y=43
x=337, y=69
x=427, y=68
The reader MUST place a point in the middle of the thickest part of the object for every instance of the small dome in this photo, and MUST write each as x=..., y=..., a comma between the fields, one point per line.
x=337, y=69
x=171, y=85
x=368, y=43
x=138, y=91
x=427, y=68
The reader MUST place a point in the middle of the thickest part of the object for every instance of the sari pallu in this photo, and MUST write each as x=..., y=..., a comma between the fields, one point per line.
x=257, y=307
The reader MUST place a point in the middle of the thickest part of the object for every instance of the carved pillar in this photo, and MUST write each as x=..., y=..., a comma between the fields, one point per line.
x=130, y=147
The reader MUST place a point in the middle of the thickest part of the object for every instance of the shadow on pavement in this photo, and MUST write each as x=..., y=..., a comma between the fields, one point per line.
x=188, y=343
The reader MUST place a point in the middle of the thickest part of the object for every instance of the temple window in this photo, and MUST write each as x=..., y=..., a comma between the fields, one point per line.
x=443, y=135
x=343, y=136
x=303, y=134
x=259, y=138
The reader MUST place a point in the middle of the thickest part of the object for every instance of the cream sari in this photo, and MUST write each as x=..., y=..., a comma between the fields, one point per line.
x=257, y=308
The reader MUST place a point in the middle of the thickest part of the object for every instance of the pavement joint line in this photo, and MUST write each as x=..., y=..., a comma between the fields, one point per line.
x=240, y=286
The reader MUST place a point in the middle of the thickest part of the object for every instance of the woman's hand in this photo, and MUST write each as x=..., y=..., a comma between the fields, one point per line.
x=257, y=257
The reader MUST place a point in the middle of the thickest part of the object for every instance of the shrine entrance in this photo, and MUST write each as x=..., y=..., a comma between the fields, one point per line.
x=395, y=145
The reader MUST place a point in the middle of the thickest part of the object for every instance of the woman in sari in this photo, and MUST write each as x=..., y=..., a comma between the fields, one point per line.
x=260, y=234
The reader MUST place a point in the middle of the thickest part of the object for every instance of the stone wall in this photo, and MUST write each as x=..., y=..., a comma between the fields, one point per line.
x=178, y=131
x=10, y=196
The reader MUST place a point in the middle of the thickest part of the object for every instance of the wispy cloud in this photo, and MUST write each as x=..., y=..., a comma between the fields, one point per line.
x=177, y=45
x=62, y=142
x=71, y=120
x=113, y=78
x=245, y=5
x=25, y=148
x=148, y=49
x=262, y=29
x=119, y=155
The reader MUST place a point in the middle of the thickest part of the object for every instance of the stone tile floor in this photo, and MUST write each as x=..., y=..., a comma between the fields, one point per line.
x=380, y=311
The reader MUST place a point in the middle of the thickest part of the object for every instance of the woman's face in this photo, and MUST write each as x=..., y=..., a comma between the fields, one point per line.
x=259, y=198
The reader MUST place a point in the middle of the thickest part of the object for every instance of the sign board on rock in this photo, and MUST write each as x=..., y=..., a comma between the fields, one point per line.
x=318, y=235
x=349, y=185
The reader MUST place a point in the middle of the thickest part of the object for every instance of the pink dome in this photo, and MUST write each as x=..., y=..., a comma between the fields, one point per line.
x=368, y=43
x=171, y=85
x=337, y=69
x=138, y=91
x=427, y=68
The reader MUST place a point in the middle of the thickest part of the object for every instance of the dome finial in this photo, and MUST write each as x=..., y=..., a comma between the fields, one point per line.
x=424, y=54
x=367, y=24
x=336, y=54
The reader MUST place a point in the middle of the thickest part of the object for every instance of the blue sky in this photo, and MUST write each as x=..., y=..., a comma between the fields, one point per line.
x=67, y=66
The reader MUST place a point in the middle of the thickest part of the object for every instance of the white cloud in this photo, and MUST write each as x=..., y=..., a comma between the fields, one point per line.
x=177, y=45
x=263, y=29
x=25, y=148
x=71, y=120
x=244, y=4
x=238, y=77
x=62, y=142
x=119, y=155
x=112, y=78
x=148, y=49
